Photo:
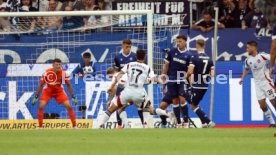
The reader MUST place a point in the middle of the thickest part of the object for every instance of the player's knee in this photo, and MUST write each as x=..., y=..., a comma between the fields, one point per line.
x=163, y=106
x=193, y=106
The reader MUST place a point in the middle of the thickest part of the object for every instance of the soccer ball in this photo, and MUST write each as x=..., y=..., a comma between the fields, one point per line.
x=88, y=70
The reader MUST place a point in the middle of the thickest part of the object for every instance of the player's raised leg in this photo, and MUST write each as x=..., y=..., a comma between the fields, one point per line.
x=111, y=109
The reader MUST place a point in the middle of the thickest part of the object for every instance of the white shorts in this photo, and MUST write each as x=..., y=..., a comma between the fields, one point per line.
x=132, y=95
x=264, y=90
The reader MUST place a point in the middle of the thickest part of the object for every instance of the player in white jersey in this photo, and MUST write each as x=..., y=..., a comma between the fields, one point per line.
x=134, y=93
x=273, y=51
x=264, y=86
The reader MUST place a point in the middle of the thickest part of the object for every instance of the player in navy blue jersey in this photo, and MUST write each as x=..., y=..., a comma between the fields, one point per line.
x=120, y=60
x=201, y=68
x=86, y=67
x=125, y=56
x=176, y=65
x=273, y=51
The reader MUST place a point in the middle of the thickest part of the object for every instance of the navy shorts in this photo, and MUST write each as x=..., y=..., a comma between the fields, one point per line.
x=197, y=96
x=119, y=90
x=167, y=98
x=176, y=89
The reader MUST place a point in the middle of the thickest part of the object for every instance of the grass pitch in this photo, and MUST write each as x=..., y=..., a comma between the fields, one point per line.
x=139, y=142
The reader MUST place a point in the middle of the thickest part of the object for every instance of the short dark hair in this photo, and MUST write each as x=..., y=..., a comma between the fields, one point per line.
x=182, y=37
x=200, y=42
x=57, y=60
x=252, y=43
x=127, y=41
x=140, y=54
x=207, y=13
x=86, y=55
x=110, y=70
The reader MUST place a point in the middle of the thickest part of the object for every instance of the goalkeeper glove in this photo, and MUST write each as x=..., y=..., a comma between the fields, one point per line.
x=34, y=100
x=75, y=100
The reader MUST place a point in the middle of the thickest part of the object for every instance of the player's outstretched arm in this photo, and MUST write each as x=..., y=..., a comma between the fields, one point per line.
x=121, y=73
x=244, y=74
x=39, y=88
x=272, y=56
x=71, y=91
x=165, y=71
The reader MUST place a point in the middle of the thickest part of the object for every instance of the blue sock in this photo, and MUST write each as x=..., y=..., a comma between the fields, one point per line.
x=185, y=114
x=203, y=117
x=176, y=110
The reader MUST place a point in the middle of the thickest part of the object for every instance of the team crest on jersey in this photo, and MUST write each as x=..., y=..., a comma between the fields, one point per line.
x=130, y=59
x=121, y=59
x=175, y=54
x=259, y=61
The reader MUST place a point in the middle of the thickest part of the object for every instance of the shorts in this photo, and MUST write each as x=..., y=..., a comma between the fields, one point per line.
x=132, y=95
x=264, y=90
x=176, y=89
x=167, y=98
x=197, y=96
x=119, y=90
x=60, y=97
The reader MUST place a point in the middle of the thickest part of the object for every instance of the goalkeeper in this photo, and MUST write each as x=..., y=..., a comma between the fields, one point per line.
x=52, y=80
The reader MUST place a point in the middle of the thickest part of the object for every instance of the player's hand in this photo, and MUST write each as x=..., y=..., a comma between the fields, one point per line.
x=75, y=100
x=163, y=78
x=109, y=90
x=271, y=70
x=241, y=82
x=34, y=100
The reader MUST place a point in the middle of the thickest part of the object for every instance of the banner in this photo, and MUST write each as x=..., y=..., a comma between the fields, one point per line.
x=47, y=124
x=178, y=10
x=104, y=46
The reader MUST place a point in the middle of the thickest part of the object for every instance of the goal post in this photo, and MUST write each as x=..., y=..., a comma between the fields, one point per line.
x=214, y=57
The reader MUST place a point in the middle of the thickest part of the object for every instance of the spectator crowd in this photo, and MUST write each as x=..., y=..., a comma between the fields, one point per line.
x=232, y=14
x=51, y=23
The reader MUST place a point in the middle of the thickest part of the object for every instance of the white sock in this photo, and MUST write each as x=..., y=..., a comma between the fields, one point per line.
x=269, y=116
x=123, y=116
x=161, y=112
x=146, y=116
x=104, y=118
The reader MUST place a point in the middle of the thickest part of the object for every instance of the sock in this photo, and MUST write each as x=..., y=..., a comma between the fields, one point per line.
x=268, y=115
x=72, y=116
x=104, y=118
x=185, y=114
x=123, y=116
x=40, y=117
x=202, y=116
x=163, y=120
x=119, y=120
x=140, y=113
x=146, y=116
x=161, y=112
x=176, y=110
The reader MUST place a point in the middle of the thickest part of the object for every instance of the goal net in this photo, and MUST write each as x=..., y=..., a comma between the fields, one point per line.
x=31, y=40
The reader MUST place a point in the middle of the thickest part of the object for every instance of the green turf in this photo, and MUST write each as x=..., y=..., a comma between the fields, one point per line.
x=139, y=142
